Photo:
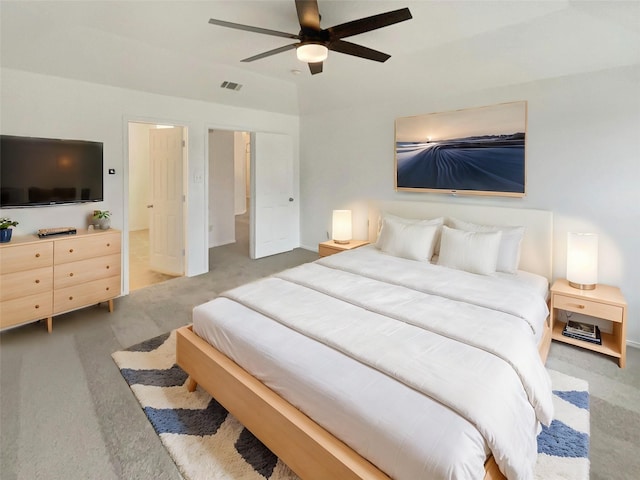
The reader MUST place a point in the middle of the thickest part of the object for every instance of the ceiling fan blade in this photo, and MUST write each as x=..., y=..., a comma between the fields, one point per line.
x=369, y=23
x=249, y=28
x=271, y=52
x=308, y=14
x=358, y=51
x=315, y=68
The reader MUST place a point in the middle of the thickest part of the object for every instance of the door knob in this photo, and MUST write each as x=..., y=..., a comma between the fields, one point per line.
x=291, y=199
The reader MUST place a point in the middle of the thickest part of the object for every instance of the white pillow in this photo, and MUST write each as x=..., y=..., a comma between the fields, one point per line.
x=407, y=238
x=509, y=255
x=384, y=238
x=475, y=252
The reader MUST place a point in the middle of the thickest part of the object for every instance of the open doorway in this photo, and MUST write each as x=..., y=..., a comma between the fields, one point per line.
x=258, y=166
x=230, y=189
x=157, y=155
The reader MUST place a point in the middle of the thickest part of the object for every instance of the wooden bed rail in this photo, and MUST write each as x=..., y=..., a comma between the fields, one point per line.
x=308, y=449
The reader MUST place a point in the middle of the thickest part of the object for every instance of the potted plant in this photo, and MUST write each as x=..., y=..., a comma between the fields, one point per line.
x=5, y=230
x=101, y=219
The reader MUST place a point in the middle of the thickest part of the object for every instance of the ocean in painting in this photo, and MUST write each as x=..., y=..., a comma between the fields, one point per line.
x=493, y=163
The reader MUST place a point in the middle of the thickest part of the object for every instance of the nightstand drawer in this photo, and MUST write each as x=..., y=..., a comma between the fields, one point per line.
x=588, y=307
x=330, y=247
x=325, y=251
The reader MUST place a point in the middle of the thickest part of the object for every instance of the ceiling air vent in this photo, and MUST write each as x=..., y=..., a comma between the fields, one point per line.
x=231, y=85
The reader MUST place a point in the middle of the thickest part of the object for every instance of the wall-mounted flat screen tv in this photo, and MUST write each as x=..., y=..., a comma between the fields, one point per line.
x=42, y=171
x=478, y=151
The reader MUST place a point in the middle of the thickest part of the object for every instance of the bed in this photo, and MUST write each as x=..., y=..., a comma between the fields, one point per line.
x=379, y=418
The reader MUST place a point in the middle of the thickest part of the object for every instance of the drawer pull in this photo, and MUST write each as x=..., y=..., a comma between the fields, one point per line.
x=71, y=250
x=37, y=255
x=37, y=281
x=70, y=298
x=108, y=244
x=108, y=267
x=579, y=305
x=71, y=274
x=37, y=306
x=107, y=288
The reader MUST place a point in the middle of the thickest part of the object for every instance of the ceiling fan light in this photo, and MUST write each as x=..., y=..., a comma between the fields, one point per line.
x=312, y=52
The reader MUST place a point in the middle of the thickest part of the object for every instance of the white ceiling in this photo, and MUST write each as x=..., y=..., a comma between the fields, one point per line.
x=168, y=47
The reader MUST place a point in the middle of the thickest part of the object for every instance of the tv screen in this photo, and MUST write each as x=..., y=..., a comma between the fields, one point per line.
x=42, y=171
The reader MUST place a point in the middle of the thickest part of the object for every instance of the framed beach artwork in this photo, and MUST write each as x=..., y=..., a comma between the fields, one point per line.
x=479, y=151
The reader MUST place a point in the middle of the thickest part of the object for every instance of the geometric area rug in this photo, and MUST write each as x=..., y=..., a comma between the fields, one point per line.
x=206, y=442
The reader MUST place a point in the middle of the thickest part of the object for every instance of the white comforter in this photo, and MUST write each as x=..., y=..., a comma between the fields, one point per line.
x=444, y=333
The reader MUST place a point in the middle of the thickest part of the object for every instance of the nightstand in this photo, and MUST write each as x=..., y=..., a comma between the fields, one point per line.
x=330, y=247
x=603, y=302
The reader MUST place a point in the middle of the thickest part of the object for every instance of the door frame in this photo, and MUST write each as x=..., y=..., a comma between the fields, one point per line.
x=207, y=173
x=251, y=130
x=126, y=185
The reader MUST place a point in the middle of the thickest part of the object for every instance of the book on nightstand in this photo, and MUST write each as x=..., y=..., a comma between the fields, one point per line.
x=581, y=328
x=586, y=336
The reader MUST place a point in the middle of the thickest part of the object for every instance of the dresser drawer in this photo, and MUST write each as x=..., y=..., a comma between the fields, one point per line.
x=22, y=284
x=84, y=247
x=588, y=307
x=83, y=271
x=24, y=309
x=85, y=294
x=17, y=258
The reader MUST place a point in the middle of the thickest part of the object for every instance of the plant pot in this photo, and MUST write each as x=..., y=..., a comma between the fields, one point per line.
x=102, y=223
x=5, y=235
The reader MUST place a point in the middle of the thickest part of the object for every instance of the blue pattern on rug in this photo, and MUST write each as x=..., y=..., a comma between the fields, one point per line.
x=151, y=344
x=187, y=421
x=559, y=440
x=255, y=453
x=172, y=377
x=579, y=399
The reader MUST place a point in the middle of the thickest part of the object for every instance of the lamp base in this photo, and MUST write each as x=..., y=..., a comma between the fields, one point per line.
x=342, y=242
x=582, y=286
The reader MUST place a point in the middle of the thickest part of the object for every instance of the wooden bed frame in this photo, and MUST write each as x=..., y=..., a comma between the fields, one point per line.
x=307, y=448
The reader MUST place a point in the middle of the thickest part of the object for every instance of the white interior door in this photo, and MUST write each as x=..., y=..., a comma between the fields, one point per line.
x=166, y=219
x=273, y=221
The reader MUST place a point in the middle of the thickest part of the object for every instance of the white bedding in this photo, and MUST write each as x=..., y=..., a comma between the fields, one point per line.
x=405, y=430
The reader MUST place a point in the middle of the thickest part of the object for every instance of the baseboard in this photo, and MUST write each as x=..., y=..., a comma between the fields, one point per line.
x=633, y=344
x=313, y=248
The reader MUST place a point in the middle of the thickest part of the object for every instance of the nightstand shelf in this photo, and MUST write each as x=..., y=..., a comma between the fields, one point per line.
x=330, y=247
x=605, y=302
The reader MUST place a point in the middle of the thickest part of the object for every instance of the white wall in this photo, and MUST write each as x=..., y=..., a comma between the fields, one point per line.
x=221, y=188
x=46, y=106
x=583, y=163
x=139, y=175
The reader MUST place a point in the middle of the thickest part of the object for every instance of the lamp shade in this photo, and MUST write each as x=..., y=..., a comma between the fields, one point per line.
x=341, y=227
x=582, y=260
x=312, y=52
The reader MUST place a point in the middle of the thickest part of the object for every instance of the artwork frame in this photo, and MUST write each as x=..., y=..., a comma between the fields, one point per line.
x=473, y=151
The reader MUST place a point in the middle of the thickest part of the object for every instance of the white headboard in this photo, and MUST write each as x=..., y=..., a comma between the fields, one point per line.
x=536, y=250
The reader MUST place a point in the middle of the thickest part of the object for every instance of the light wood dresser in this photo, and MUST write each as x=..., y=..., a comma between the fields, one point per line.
x=41, y=278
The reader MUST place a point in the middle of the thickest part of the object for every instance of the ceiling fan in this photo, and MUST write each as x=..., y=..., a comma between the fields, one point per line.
x=315, y=42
